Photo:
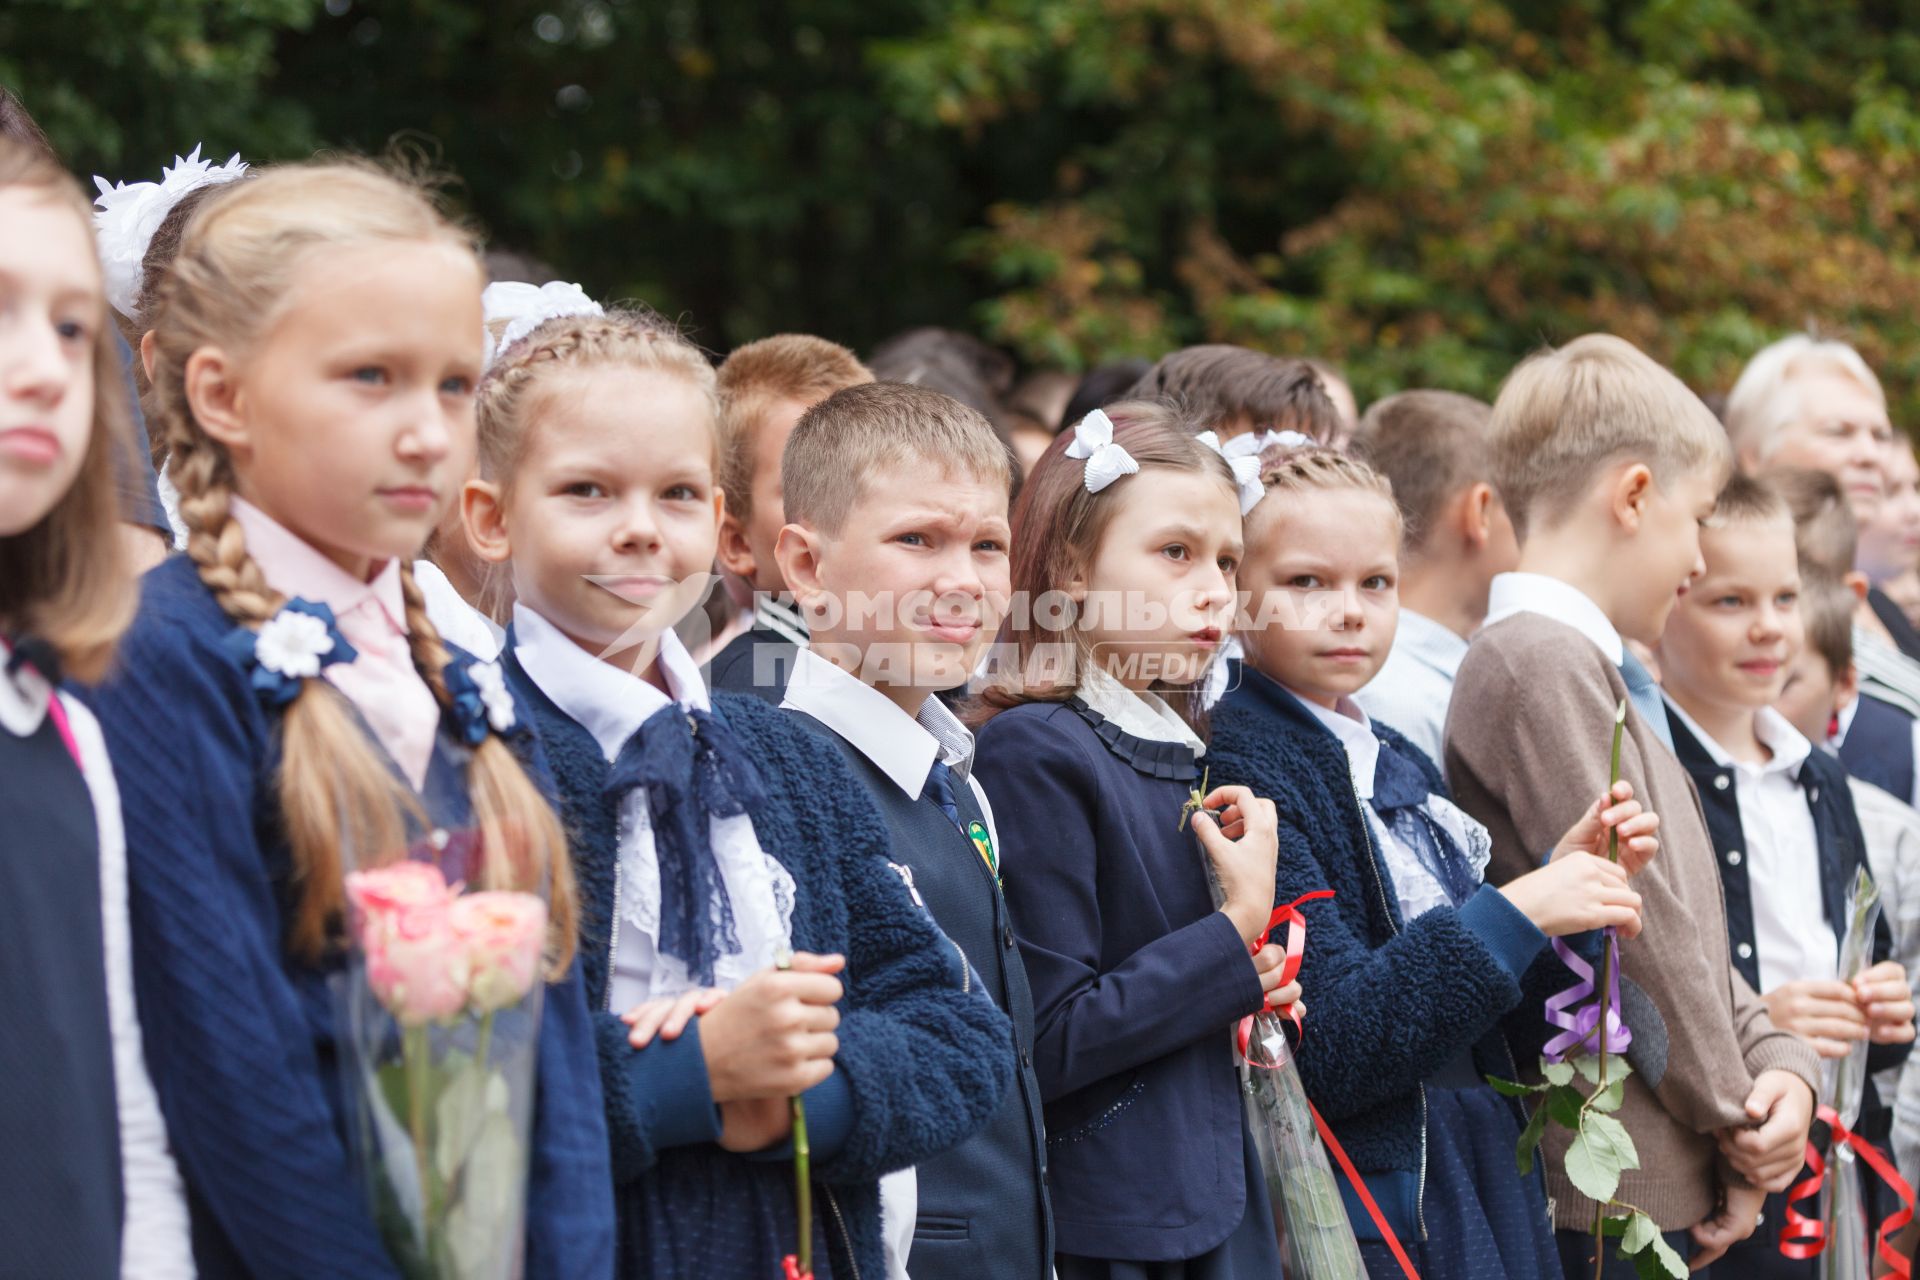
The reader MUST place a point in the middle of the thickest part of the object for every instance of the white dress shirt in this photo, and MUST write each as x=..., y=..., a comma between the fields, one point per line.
x=457, y=621
x=1145, y=715
x=155, y=1242
x=1413, y=884
x=612, y=704
x=1782, y=853
x=901, y=746
x=1413, y=687
x=1513, y=593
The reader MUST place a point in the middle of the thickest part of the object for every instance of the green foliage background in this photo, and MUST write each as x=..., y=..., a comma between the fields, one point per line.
x=1422, y=190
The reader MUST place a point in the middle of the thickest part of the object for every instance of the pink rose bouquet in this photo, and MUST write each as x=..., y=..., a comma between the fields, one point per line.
x=441, y=1015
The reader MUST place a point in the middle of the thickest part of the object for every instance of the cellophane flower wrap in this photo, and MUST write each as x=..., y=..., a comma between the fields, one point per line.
x=1309, y=1216
x=439, y=1020
x=1843, y=1083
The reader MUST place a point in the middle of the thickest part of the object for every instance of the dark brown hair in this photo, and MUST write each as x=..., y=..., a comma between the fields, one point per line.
x=1057, y=530
x=1218, y=384
x=67, y=580
x=1429, y=445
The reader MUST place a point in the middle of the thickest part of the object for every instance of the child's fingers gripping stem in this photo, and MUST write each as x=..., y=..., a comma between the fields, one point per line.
x=773, y=1036
x=1245, y=864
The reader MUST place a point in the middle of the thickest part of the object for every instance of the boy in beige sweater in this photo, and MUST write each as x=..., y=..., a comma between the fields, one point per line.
x=1607, y=465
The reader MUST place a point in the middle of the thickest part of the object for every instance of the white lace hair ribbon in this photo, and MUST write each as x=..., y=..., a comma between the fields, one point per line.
x=1245, y=467
x=128, y=213
x=525, y=307
x=1093, y=443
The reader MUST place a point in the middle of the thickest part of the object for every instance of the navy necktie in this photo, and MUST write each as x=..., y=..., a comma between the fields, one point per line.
x=939, y=789
x=1644, y=694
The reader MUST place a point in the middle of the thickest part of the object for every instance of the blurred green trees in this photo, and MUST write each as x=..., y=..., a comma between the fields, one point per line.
x=1421, y=190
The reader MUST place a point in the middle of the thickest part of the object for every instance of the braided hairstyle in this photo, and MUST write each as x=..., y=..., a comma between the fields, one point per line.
x=232, y=277
x=1288, y=470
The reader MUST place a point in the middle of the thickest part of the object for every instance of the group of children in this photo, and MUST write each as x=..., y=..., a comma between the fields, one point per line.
x=954, y=830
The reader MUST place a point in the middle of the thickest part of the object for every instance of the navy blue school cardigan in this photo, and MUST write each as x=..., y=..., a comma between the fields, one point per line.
x=239, y=1036
x=922, y=1060
x=1390, y=1001
x=1137, y=981
x=1878, y=747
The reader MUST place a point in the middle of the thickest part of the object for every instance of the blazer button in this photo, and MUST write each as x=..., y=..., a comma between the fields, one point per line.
x=1719, y=782
x=1026, y=1058
x=1813, y=794
x=1008, y=937
x=1733, y=857
x=1744, y=951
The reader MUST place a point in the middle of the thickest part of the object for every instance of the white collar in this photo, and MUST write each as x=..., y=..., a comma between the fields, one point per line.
x=24, y=695
x=784, y=619
x=607, y=702
x=1144, y=715
x=1432, y=642
x=1789, y=746
x=1350, y=725
x=1513, y=593
x=902, y=746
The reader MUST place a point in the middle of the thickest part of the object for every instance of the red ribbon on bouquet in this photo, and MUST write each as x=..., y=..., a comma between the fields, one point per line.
x=1803, y=1237
x=1296, y=923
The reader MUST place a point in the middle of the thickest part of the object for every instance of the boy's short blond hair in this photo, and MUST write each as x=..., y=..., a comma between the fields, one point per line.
x=787, y=366
x=1429, y=445
x=854, y=433
x=1564, y=414
x=1824, y=528
x=1744, y=500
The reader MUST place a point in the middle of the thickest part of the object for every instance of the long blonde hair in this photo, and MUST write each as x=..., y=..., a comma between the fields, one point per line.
x=68, y=580
x=233, y=276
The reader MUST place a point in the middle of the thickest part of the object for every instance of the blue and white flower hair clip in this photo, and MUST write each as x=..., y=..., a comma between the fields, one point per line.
x=128, y=214
x=291, y=647
x=1106, y=461
x=525, y=307
x=481, y=699
x=1245, y=466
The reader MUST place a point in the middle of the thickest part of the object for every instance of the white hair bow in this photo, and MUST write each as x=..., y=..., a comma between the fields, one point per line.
x=1106, y=461
x=525, y=307
x=128, y=214
x=1245, y=464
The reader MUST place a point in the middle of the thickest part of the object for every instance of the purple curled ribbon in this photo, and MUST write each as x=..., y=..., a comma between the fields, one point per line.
x=1579, y=1026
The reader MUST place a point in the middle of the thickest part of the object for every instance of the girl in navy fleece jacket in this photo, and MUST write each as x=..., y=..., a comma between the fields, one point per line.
x=282, y=697
x=713, y=837
x=1411, y=969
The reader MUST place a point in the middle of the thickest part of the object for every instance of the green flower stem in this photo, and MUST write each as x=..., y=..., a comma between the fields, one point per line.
x=414, y=1051
x=1606, y=980
x=803, y=1186
x=485, y=1040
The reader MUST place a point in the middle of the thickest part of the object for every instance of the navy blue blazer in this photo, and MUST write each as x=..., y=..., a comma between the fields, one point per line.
x=922, y=1060
x=1878, y=747
x=239, y=1036
x=1137, y=981
x=758, y=661
x=1391, y=1001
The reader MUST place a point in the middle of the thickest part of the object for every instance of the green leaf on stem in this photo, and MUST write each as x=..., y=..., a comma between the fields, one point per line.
x=1564, y=1103
x=1530, y=1140
x=1514, y=1089
x=1608, y=1100
x=1640, y=1232
x=1601, y=1151
x=1671, y=1266
x=1557, y=1072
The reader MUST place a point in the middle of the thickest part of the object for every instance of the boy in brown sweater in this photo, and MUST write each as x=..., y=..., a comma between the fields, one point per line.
x=1607, y=465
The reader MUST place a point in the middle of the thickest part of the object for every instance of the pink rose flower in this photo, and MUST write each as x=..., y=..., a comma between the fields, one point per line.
x=504, y=935
x=417, y=965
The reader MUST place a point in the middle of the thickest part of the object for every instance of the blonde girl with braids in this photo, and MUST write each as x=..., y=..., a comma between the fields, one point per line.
x=742, y=935
x=314, y=349
x=87, y=1186
x=1415, y=963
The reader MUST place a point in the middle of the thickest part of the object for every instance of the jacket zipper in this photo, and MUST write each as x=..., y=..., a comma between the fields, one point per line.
x=1373, y=867
x=613, y=928
x=833, y=1203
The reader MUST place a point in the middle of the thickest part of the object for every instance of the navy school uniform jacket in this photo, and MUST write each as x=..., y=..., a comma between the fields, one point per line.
x=921, y=1063
x=983, y=1205
x=758, y=661
x=1390, y=1001
x=1843, y=849
x=1137, y=981
x=1878, y=747
x=240, y=1037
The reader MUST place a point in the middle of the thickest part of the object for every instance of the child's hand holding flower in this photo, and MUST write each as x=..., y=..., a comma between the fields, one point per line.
x=1886, y=999
x=1616, y=810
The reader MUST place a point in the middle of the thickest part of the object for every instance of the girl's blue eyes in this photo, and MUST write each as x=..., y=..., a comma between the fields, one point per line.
x=73, y=331
x=372, y=375
x=456, y=386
